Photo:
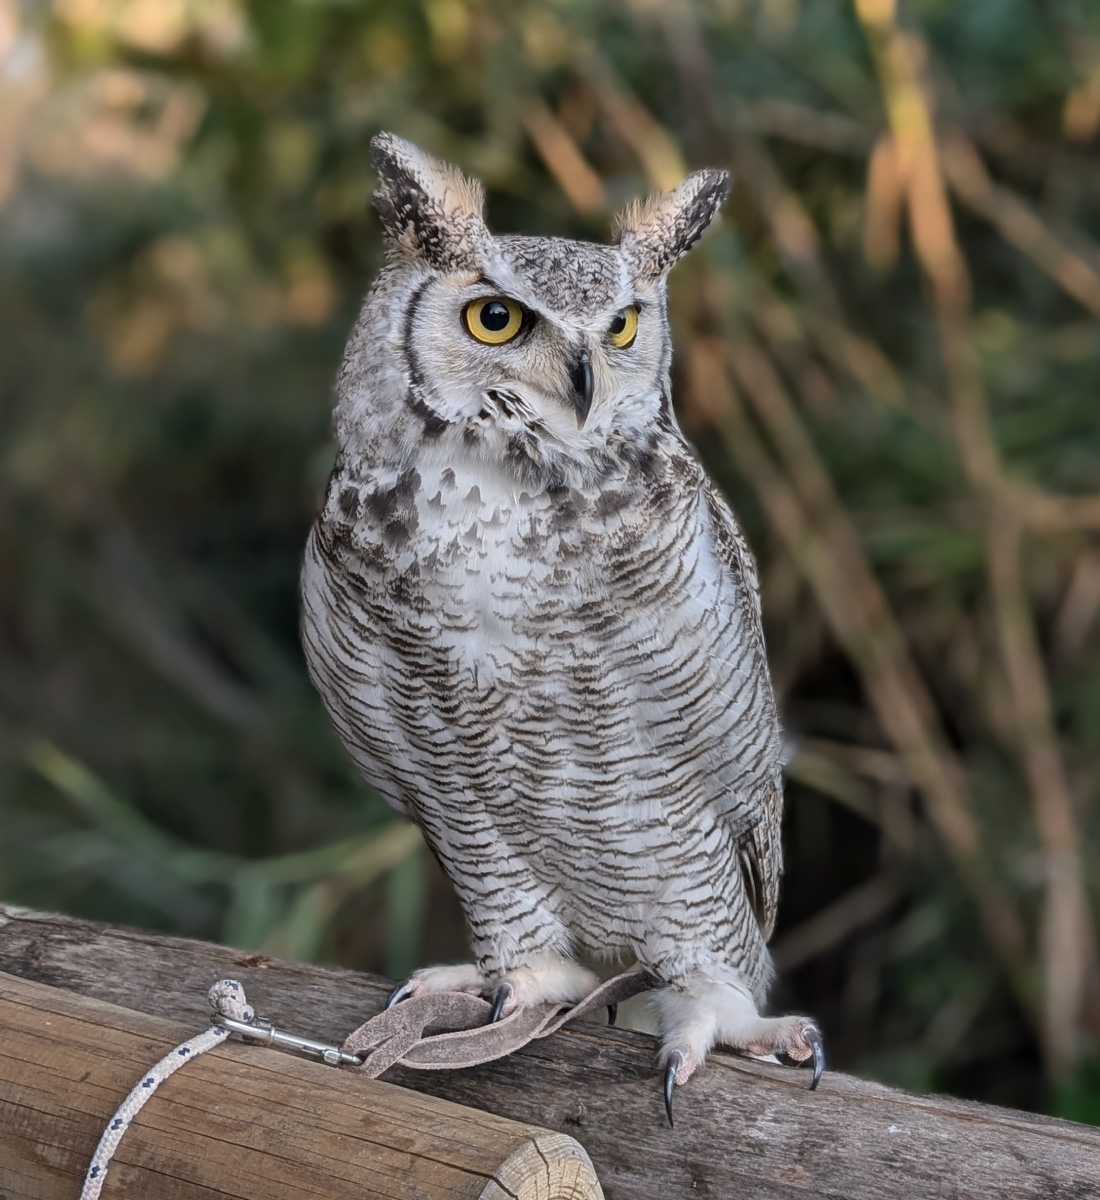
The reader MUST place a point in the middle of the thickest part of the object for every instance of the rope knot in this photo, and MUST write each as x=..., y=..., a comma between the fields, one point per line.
x=227, y=1000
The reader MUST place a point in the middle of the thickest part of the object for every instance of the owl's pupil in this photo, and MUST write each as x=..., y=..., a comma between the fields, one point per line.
x=618, y=322
x=495, y=316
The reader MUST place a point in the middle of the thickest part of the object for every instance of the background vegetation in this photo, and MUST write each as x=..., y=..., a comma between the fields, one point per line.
x=888, y=354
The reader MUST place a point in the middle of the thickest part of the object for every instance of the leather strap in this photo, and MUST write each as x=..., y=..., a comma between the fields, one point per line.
x=444, y=1031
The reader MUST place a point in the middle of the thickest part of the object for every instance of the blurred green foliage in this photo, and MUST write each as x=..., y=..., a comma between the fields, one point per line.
x=903, y=410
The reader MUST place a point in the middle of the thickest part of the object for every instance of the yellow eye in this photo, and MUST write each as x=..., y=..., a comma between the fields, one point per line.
x=624, y=327
x=494, y=320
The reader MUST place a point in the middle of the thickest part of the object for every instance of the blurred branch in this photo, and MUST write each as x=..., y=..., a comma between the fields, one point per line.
x=869, y=762
x=1079, y=607
x=127, y=592
x=849, y=352
x=951, y=1025
x=772, y=116
x=1008, y=141
x=833, y=776
x=883, y=205
x=857, y=908
x=652, y=144
x=1018, y=224
x=563, y=158
x=831, y=779
x=1067, y=936
x=792, y=232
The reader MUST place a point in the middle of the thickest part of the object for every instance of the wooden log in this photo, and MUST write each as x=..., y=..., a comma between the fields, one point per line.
x=241, y=1120
x=743, y=1128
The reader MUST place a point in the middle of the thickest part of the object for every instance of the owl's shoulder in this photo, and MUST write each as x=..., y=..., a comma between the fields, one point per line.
x=731, y=546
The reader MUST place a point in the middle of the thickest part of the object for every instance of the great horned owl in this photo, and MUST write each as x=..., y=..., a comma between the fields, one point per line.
x=535, y=623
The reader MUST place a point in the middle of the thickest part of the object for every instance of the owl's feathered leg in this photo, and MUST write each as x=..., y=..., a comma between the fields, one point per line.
x=543, y=979
x=520, y=942
x=696, y=1014
x=518, y=971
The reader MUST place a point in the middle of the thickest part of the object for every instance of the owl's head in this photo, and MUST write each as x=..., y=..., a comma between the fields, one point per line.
x=531, y=351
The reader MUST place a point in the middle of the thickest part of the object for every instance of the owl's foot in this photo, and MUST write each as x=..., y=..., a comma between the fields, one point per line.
x=549, y=979
x=691, y=1026
x=794, y=1038
x=462, y=977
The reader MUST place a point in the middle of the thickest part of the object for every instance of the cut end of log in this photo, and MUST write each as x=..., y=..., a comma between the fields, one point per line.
x=552, y=1166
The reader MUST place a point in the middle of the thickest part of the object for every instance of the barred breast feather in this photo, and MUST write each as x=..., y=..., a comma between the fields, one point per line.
x=566, y=689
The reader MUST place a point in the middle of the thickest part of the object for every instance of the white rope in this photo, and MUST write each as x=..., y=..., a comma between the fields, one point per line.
x=227, y=999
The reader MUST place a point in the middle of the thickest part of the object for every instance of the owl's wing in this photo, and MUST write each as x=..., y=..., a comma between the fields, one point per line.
x=760, y=852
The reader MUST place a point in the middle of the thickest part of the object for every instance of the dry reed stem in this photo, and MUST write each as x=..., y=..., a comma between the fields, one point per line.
x=1079, y=608
x=771, y=116
x=868, y=762
x=793, y=233
x=1056, y=514
x=1066, y=933
x=882, y=804
x=884, y=205
x=1066, y=939
x=563, y=158
x=655, y=148
x=1017, y=224
x=862, y=906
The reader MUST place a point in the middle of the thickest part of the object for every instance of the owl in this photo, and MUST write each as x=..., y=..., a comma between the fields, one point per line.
x=535, y=623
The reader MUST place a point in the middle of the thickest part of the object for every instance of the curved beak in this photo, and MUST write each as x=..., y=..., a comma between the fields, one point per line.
x=583, y=383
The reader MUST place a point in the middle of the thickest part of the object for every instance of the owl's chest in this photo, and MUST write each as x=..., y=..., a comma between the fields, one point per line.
x=476, y=550
x=578, y=627
x=469, y=576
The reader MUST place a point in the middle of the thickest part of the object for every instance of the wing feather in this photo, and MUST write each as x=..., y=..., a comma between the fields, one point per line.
x=760, y=851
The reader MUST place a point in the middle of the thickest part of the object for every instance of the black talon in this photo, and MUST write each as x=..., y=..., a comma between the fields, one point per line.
x=503, y=994
x=399, y=993
x=612, y=1013
x=674, y=1064
x=814, y=1038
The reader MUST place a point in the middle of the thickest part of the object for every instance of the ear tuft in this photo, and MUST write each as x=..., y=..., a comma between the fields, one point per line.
x=429, y=209
x=656, y=233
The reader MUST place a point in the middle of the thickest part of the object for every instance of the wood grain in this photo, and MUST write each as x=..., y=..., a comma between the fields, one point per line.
x=743, y=1128
x=241, y=1120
